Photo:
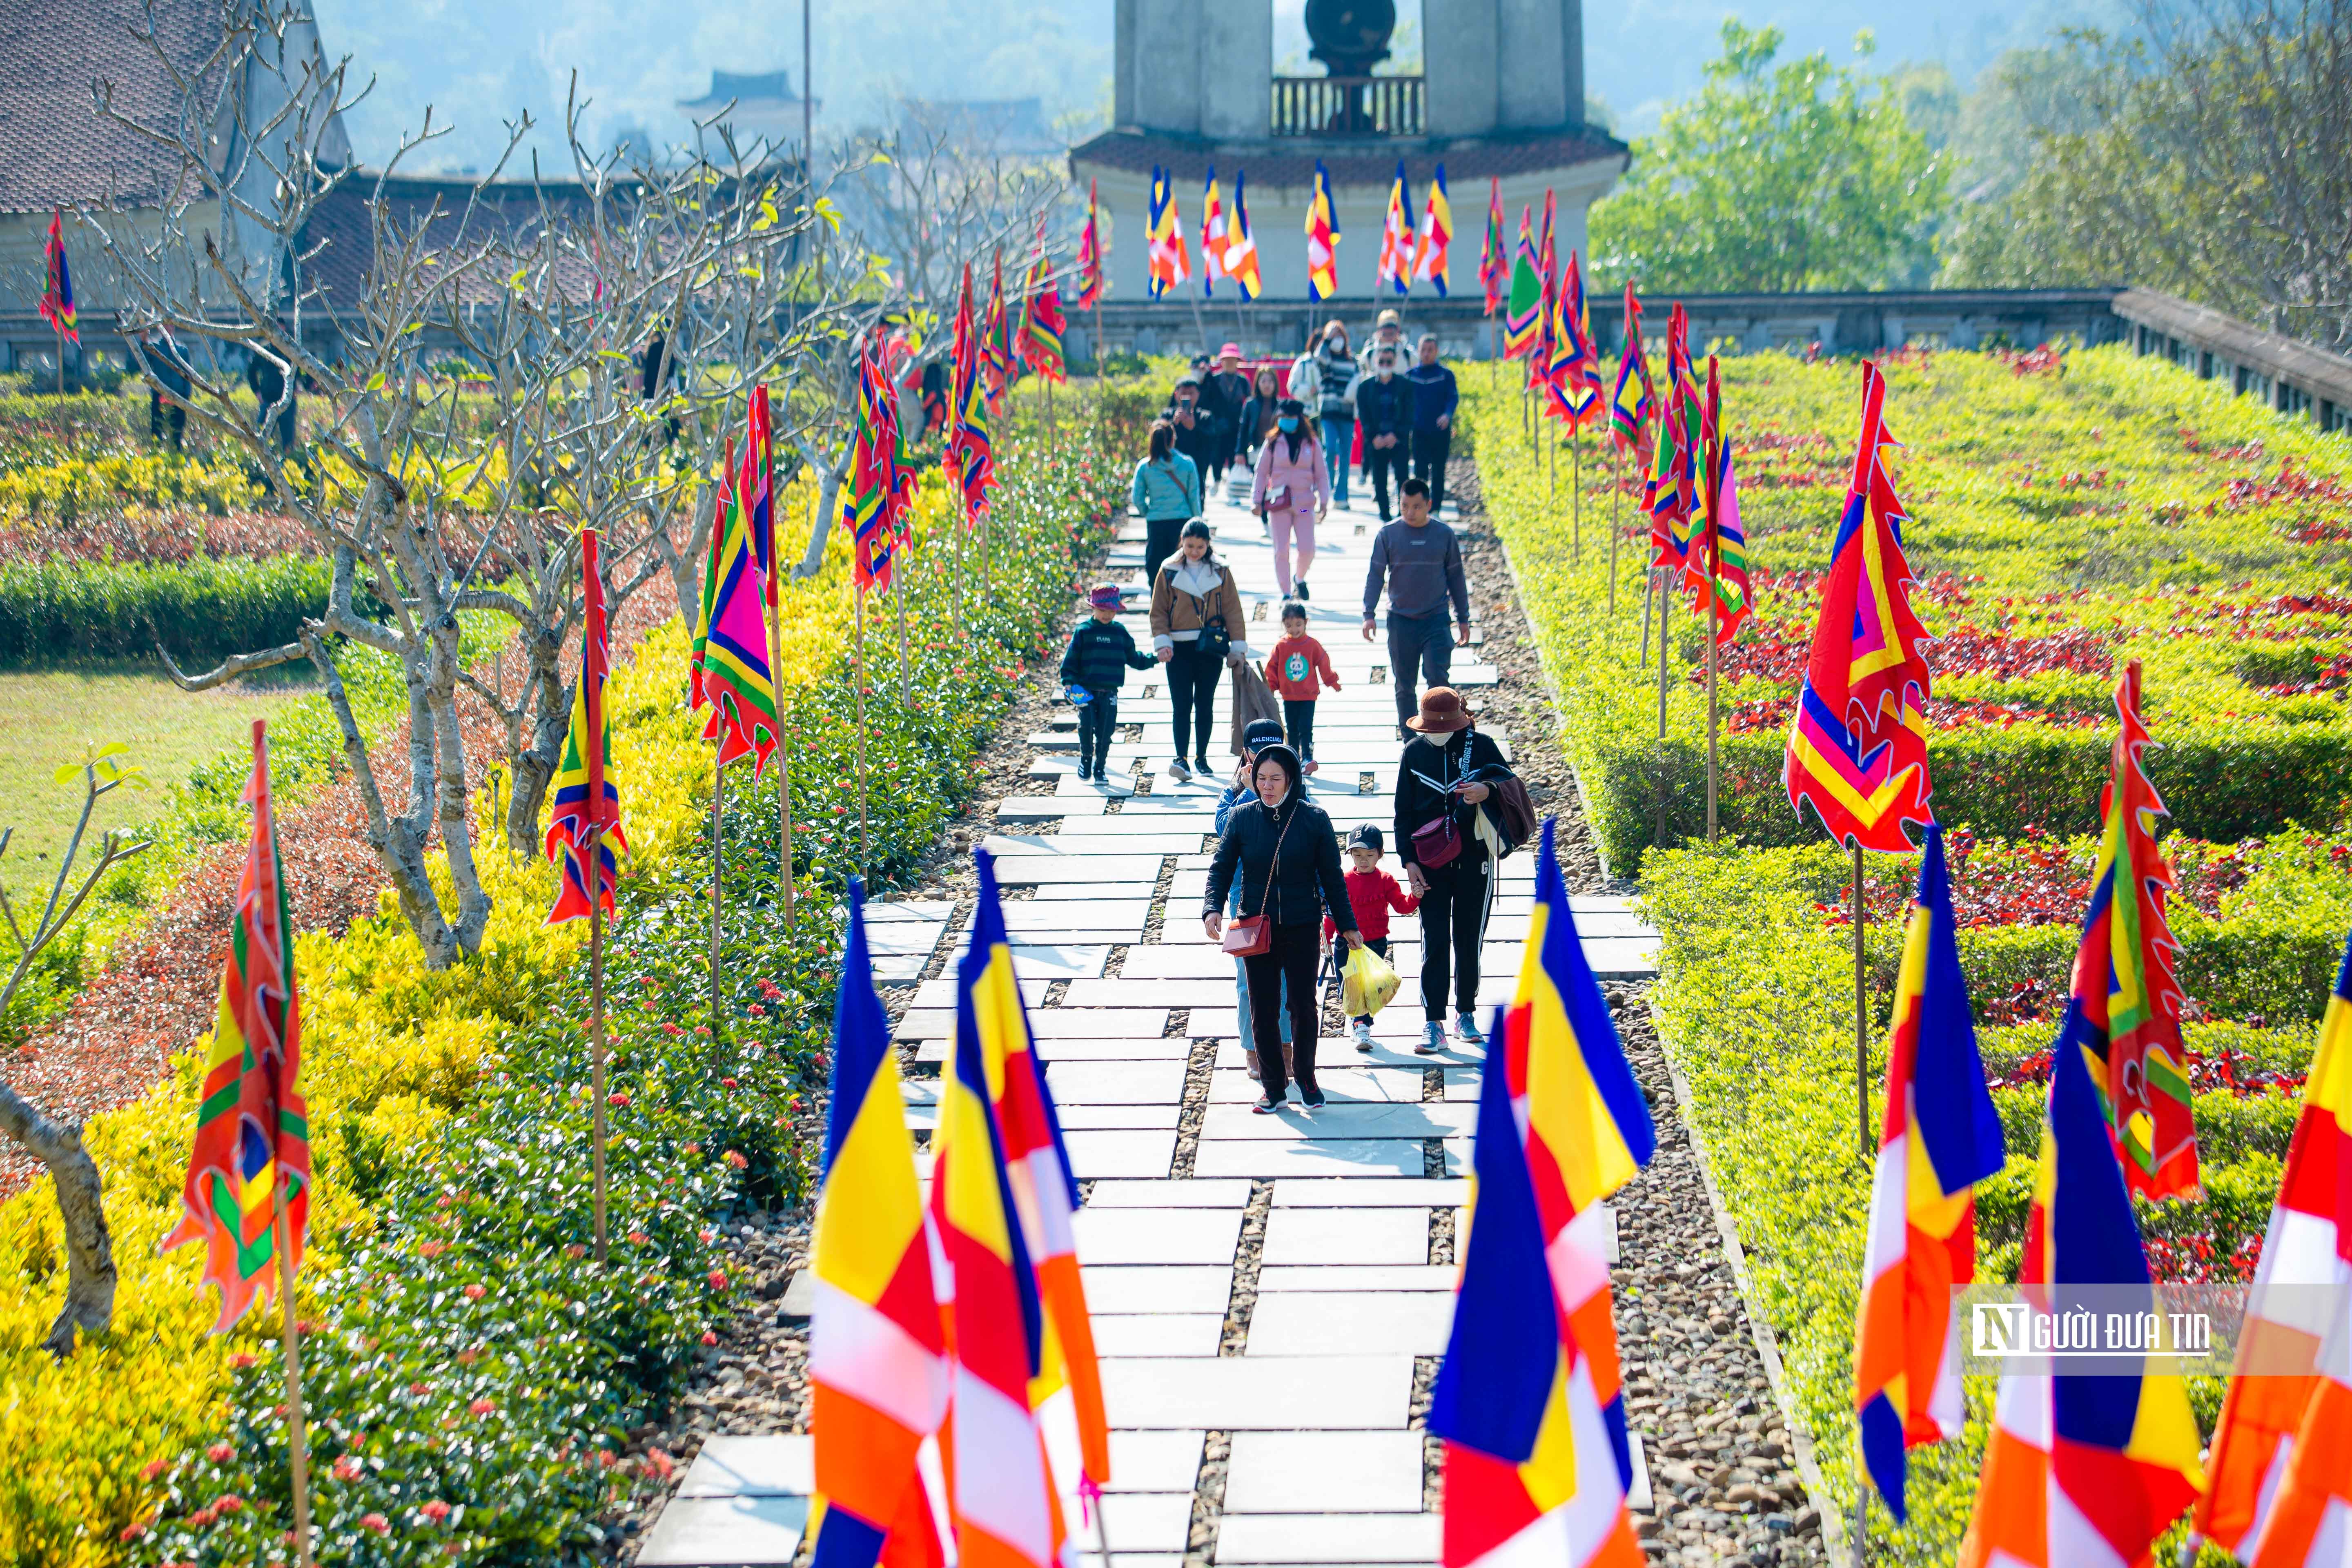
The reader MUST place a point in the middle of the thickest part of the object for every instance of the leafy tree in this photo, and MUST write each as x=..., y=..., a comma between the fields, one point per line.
x=2205, y=155
x=1776, y=177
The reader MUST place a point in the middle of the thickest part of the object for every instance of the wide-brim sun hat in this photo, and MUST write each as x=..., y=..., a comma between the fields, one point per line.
x=1442, y=712
x=1231, y=350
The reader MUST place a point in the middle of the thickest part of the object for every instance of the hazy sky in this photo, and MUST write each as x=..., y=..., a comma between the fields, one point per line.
x=477, y=62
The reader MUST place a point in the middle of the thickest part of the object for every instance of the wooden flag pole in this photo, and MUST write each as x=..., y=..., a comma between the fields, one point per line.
x=718, y=798
x=297, y=1440
x=61, y=392
x=906, y=666
x=1576, y=495
x=1551, y=459
x=1616, y=492
x=1861, y=1013
x=1649, y=593
x=597, y=1090
x=783, y=766
x=1862, y=1523
x=1714, y=626
x=1666, y=602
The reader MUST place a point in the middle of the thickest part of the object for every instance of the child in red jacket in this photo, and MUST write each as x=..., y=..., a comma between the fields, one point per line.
x=1371, y=894
x=1291, y=670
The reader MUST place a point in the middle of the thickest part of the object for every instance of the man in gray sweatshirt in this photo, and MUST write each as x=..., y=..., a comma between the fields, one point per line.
x=1421, y=562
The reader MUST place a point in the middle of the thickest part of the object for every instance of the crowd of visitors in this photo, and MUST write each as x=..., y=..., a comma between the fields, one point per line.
x=1279, y=897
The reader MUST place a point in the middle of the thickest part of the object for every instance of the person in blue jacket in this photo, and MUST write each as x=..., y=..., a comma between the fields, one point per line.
x=1166, y=494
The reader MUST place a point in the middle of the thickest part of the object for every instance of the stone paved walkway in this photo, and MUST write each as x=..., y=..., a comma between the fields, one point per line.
x=1270, y=1293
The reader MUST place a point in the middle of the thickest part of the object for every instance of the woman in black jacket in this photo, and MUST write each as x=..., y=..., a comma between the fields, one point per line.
x=1446, y=773
x=1287, y=859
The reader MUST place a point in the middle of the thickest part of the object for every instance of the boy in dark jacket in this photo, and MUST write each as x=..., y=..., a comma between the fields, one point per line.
x=1101, y=654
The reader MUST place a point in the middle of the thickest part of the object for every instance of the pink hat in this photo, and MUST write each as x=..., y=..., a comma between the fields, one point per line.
x=1231, y=350
x=1105, y=595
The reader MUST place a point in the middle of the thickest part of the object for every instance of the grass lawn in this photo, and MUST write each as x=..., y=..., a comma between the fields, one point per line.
x=47, y=716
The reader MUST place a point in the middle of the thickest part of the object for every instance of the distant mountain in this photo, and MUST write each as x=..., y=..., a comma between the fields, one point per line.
x=478, y=63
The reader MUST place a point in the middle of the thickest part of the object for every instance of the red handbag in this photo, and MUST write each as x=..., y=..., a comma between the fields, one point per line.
x=1250, y=935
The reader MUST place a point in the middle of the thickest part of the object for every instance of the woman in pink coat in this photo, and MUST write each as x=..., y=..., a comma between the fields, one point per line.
x=1292, y=493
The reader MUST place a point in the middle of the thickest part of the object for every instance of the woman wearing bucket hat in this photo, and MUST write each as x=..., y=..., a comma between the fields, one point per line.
x=1223, y=392
x=1281, y=852
x=1449, y=848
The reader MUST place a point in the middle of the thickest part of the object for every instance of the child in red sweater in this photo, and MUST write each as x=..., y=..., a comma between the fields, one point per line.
x=1371, y=894
x=1291, y=670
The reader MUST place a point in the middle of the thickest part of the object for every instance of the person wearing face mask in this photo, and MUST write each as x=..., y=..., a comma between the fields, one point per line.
x=1335, y=370
x=1194, y=422
x=1384, y=413
x=1289, y=492
x=1435, y=398
x=1258, y=415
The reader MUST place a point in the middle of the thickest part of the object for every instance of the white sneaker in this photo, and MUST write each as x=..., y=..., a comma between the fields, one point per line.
x=1465, y=1029
x=1363, y=1037
x=1178, y=771
x=1432, y=1039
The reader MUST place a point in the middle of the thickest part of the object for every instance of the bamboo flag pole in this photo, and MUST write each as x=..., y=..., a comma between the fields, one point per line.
x=783, y=766
x=1551, y=458
x=297, y=1440
x=718, y=888
x=1666, y=602
x=1714, y=626
x=596, y=1021
x=1616, y=490
x=1861, y=1013
x=906, y=666
x=858, y=661
x=1576, y=495
x=1649, y=593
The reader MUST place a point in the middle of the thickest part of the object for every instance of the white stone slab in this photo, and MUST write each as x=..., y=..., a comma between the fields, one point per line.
x=779, y=1464
x=1411, y=1193
x=1259, y=1393
x=1163, y=1335
x=1058, y=961
x=1027, y=866
x=1049, y=807
x=1162, y=962
x=1383, y=1276
x=1175, y=1192
x=1338, y=1120
x=940, y=992
x=1350, y=1322
x=1153, y=1462
x=1339, y=1157
x=1046, y=1024
x=1333, y=1472
x=1112, y=1118
x=1130, y=991
x=1352, y=1539
x=725, y=1532
x=1159, y=1236
x=1119, y=846
x=1346, y=1236
x=1157, y=1290
x=1146, y=1153
x=1390, y=1085
x=1157, y=1048
x=1115, y=1083
x=1058, y=914
x=1142, y=1522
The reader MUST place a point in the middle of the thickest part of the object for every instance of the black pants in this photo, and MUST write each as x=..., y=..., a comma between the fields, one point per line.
x=1378, y=944
x=1430, y=448
x=1452, y=926
x=1192, y=693
x=1299, y=727
x=1423, y=641
x=1379, y=463
x=1097, y=721
x=161, y=414
x=1159, y=536
x=1291, y=957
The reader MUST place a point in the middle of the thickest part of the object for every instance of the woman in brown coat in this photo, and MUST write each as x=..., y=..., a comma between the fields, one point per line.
x=1198, y=622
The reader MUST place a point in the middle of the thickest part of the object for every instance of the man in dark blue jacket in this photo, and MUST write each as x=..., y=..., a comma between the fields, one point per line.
x=1434, y=399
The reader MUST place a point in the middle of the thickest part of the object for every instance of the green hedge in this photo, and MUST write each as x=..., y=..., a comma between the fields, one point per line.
x=201, y=609
x=2223, y=782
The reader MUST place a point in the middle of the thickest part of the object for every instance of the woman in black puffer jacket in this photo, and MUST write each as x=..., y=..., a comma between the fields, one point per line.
x=1282, y=849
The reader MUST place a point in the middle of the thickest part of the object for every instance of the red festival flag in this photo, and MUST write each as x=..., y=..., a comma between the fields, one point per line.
x=56, y=297
x=1090, y=257
x=251, y=1157
x=587, y=804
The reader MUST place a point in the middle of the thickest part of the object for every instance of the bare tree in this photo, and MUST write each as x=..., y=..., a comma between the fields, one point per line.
x=57, y=1144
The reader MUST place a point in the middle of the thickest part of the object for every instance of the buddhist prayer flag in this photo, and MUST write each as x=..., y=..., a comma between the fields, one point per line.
x=1432, y=253
x=1940, y=1136
x=2086, y=1466
x=1166, y=262
x=587, y=807
x=1858, y=744
x=1573, y=376
x=251, y=1155
x=1322, y=237
x=1396, y=239
x=1523, y=313
x=1045, y=1193
x=878, y=1356
x=1215, y=236
x=730, y=669
x=1090, y=256
x=1635, y=401
x=1039, y=342
x=1006, y=1510
x=2125, y=1012
x=1717, y=570
x=56, y=296
x=2282, y=1458
x=1240, y=248
x=969, y=450
x=1537, y=1459
x=1494, y=254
